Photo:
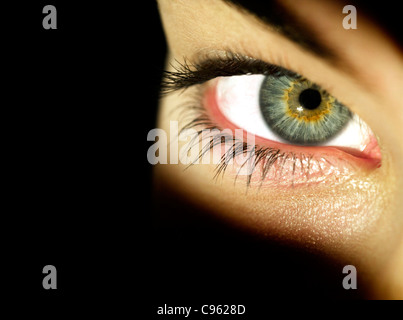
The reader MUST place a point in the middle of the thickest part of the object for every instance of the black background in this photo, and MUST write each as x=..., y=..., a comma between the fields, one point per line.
x=78, y=103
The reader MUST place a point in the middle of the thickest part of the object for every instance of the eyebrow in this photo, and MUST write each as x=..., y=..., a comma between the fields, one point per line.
x=272, y=13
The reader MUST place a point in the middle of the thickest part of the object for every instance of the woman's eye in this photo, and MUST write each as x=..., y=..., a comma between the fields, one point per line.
x=301, y=133
x=289, y=110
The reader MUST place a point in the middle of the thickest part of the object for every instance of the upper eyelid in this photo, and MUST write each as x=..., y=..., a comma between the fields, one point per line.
x=187, y=74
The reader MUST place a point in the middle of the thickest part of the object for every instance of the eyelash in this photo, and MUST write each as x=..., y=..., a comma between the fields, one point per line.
x=187, y=75
x=231, y=64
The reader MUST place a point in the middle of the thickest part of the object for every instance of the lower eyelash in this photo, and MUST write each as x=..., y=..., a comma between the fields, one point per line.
x=194, y=115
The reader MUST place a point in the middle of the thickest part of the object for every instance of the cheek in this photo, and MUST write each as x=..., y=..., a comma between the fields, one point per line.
x=333, y=220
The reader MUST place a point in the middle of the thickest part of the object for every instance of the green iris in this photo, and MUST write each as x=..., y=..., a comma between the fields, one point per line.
x=299, y=111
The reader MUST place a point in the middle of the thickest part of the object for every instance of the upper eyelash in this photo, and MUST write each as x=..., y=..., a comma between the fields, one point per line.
x=231, y=64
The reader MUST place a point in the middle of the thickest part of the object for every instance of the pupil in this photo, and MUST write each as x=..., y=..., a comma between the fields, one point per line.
x=310, y=99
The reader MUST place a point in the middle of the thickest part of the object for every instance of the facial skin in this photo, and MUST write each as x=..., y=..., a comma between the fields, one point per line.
x=358, y=221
